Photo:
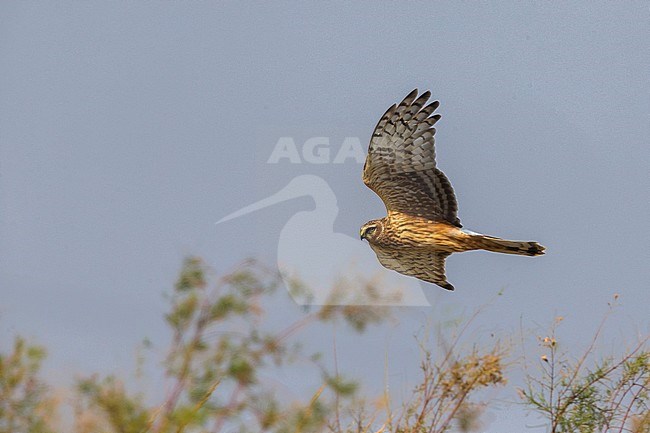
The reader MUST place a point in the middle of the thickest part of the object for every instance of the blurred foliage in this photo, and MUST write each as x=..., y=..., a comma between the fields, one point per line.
x=450, y=381
x=222, y=348
x=115, y=409
x=610, y=396
x=25, y=402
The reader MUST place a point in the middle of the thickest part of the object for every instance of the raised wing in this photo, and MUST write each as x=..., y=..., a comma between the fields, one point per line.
x=427, y=266
x=401, y=162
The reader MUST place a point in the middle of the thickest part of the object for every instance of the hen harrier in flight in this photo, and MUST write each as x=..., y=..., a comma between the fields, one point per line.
x=421, y=229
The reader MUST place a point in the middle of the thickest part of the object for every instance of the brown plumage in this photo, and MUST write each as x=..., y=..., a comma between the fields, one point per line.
x=422, y=227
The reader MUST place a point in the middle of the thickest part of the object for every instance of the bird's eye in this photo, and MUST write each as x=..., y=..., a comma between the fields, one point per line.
x=368, y=232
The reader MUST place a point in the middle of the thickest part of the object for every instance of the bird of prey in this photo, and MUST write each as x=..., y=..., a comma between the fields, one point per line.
x=422, y=227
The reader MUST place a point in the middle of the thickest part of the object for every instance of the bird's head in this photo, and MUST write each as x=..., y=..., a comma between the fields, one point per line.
x=371, y=230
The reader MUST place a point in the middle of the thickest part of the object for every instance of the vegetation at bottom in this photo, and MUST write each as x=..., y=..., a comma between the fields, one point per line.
x=222, y=347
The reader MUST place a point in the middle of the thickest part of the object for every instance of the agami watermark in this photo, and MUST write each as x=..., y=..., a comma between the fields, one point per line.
x=317, y=150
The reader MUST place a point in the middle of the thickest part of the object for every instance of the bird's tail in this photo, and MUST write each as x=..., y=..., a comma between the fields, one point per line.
x=498, y=245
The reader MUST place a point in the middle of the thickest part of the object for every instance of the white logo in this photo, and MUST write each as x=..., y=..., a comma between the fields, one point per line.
x=317, y=150
x=336, y=268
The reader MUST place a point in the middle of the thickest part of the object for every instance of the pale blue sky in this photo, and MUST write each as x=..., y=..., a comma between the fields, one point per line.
x=128, y=128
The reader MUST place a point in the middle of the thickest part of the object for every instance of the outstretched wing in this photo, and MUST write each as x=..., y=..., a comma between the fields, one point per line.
x=427, y=266
x=401, y=162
